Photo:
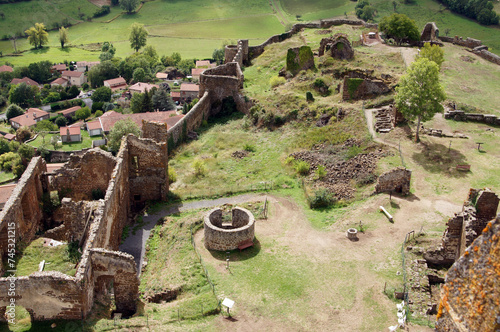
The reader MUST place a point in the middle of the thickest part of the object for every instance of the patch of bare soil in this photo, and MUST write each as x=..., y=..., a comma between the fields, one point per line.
x=467, y=58
x=101, y=3
x=239, y=154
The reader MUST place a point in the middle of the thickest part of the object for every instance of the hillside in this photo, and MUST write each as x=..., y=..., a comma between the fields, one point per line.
x=196, y=30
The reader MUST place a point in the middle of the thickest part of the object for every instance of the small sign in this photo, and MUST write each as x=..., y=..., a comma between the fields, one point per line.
x=228, y=303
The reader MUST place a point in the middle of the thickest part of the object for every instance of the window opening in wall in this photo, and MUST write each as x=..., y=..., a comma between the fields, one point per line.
x=137, y=197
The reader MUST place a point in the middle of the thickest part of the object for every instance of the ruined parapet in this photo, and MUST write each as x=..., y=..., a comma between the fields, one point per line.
x=227, y=236
x=396, y=180
x=483, y=52
x=222, y=81
x=83, y=174
x=468, y=42
x=299, y=58
x=338, y=45
x=469, y=298
x=156, y=131
x=459, y=115
x=430, y=32
x=237, y=53
x=363, y=88
x=485, y=202
x=230, y=52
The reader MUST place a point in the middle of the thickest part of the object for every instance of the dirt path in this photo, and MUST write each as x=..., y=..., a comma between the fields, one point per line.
x=279, y=14
x=408, y=55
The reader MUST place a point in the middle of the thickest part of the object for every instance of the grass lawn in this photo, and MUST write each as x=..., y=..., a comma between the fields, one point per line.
x=73, y=146
x=5, y=176
x=56, y=259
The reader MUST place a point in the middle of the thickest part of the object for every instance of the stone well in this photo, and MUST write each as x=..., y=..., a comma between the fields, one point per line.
x=227, y=236
x=352, y=234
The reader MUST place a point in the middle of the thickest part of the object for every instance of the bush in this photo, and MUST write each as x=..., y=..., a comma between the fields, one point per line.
x=289, y=160
x=8, y=160
x=249, y=147
x=276, y=81
x=104, y=10
x=172, y=175
x=200, y=168
x=302, y=167
x=353, y=151
x=321, y=199
x=320, y=172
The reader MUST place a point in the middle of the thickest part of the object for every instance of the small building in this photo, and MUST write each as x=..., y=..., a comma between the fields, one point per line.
x=115, y=84
x=94, y=128
x=6, y=68
x=196, y=72
x=58, y=68
x=26, y=80
x=70, y=134
x=83, y=66
x=108, y=119
x=162, y=76
x=176, y=96
x=74, y=77
x=59, y=82
x=205, y=64
x=69, y=112
x=189, y=91
x=9, y=137
x=142, y=87
x=29, y=118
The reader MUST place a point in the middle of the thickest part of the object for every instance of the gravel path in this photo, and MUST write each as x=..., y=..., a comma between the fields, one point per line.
x=135, y=244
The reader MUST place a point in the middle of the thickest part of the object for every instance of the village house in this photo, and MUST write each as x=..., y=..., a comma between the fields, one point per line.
x=142, y=87
x=94, y=128
x=115, y=84
x=6, y=68
x=176, y=96
x=205, y=64
x=9, y=137
x=70, y=134
x=26, y=80
x=58, y=68
x=196, y=72
x=29, y=119
x=108, y=119
x=69, y=112
x=74, y=77
x=162, y=76
x=59, y=82
x=83, y=66
x=189, y=92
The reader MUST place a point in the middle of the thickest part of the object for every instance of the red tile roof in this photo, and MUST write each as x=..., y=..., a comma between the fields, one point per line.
x=9, y=137
x=92, y=125
x=29, y=117
x=72, y=73
x=203, y=63
x=6, y=68
x=197, y=71
x=26, y=80
x=63, y=131
x=115, y=81
x=162, y=75
x=59, y=67
x=175, y=94
x=6, y=191
x=69, y=111
x=54, y=167
x=109, y=119
x=60, y=81
x=190, y=87
x=141, y=87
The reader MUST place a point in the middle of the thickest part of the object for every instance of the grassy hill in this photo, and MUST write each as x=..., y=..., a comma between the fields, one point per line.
x=196, y=30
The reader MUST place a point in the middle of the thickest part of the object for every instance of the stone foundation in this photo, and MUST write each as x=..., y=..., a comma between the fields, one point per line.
x=220, y=236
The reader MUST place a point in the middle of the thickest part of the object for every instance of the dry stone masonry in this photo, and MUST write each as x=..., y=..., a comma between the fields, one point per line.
x=339, y=46
x=396, y=180
x=221, y=236
x=459, y=115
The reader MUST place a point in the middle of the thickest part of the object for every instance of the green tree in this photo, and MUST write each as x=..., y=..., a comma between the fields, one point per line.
x=400, y=27
x=218, y=55
x=102, y=93
x=26, y=152
x=186, y=65
x=61, y=121
x=23, y=133
x=4, y=146
x=104, y=71
x=138, y=36
x=161, y=100
x=139, y=75
x=63, y=36
x=13, y=110
x=419, y=93
x=82, y=113
x=433, y=53
x=120, y=129
x=55, y=141
x=23, y=94
x=136, y=102
x=45, y=125
x=40, y=71
x=364, y=11
x=37, y=35
x=129, y=5
x=8, y=160
x=107, y=51
x=150, y=53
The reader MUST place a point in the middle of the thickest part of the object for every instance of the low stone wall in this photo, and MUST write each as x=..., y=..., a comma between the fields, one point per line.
x=396, y=180
x=468, y=42
x=220, y=237
x=155, y=130
x=487, y=55
x=459, y=115
x=57, y=156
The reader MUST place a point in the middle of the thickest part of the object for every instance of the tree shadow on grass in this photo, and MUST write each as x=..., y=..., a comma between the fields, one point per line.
x=42, y=50
x=436, y=158
x=237, y=255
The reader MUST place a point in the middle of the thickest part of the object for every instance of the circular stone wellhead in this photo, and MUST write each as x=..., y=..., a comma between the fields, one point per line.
x=352, y=234
x=224, y=236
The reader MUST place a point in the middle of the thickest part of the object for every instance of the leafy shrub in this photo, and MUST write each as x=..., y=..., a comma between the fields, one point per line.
x=74, y=254
x=289, y=160
x=104, y=10
x=200, y=168
x=320, y=172
x=321, y=199
x=353, y=151
x=249, y=147
x=309, y=96
x=302, y=167
x=276, y=81
x=172, y=175
x=365, y=179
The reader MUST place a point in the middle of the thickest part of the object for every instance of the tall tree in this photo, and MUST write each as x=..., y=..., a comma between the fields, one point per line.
x=13, y=110
x=129, y=5
x=63, y=36
x=138, y=36
x=37, y=35
x=23, y=94
x=161, y=100
x=120, y=129
x=433, y=53
x=419, y=92
x=400, y=27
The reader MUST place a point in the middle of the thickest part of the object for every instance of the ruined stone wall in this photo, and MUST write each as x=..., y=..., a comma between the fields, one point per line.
x=228, y=238
x=459, y=115
x=468, y=42
x=45, y=295
x=367, y=89
x=23, y=208
x=470, y=296
x=148, y=169
x=396, y=180
x=72, y=215
x=449, y=250
x=222, y=81
x=487, y=55
x=82, y=174
x=230, y=52
x=429, y=32
x=155, y=130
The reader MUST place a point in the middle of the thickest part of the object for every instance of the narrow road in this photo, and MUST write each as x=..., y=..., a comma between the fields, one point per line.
x=135, y=244
x=369, y=122
x=279, y=14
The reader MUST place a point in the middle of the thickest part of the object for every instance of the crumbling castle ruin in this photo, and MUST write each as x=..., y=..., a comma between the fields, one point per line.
x=394, y=181
x=138, y=173
x=222, y=236
x=339, y=46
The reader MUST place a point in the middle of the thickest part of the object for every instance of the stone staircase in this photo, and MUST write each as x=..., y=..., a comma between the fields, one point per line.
x=384, y=121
